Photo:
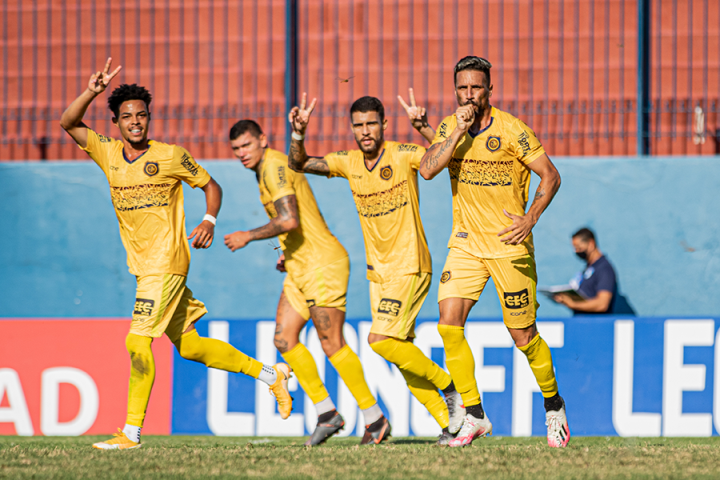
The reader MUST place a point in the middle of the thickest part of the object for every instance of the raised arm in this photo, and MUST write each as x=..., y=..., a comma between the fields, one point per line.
x=548, y=187
x=71, y=119
x=298, y=158
x=438, y=156
x=204, y=233
x=417, y=116
x=287, y=219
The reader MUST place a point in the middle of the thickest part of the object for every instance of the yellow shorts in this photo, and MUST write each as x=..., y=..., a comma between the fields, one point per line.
x=324, y=287
x=396, y=303
x=164, y=304
x=465, y=276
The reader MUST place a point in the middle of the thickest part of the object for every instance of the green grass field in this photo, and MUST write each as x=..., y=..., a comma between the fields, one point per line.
x=493, y=458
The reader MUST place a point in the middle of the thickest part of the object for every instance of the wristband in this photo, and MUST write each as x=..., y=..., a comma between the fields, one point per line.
x=297, y=136
x=210, y=218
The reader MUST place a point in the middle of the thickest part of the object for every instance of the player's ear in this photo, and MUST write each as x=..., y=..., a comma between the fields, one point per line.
x=115, y=121
x=263, y=140
x=385, y=124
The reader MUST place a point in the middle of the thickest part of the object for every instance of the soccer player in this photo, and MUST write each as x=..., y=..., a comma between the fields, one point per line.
x=145, y=187
x=489, y=155
x=383, y=180
x=318, y=269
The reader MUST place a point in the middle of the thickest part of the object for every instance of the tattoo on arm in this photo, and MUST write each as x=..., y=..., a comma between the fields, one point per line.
x=287, y=210
x=432, y=156
x=539, y=194
x=299, y=160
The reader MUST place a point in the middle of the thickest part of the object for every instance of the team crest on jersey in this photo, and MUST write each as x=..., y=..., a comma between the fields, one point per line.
x=151, y=169
x=446, y=275
x=386, y=173
x=493, y=143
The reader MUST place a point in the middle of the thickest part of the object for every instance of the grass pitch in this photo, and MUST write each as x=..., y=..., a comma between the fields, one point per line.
x=493, y=458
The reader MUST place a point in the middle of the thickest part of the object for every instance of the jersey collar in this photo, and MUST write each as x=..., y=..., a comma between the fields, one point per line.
x=492, y=117
x=376, y=162
x=150, y=144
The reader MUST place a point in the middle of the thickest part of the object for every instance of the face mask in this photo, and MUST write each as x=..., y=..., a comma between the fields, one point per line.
x=582, y=255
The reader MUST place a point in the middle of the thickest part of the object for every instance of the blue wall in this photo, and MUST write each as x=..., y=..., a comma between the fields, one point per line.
x=656, y=219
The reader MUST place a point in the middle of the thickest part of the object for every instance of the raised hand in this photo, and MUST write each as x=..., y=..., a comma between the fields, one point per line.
x=416, y=114
x=465, y=117
x=100, y=80
x=300, y=116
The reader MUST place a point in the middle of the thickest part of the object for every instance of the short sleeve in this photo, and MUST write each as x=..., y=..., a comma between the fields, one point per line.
x=337, y=163
x=99, y=148
x=185, y=168
x=606, y=279
x=524, y=143
x=412, y=154
x=278, y=181
x=444, y=129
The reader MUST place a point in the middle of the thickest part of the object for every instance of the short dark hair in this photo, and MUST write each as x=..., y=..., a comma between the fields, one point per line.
x=472, y=63
x=244, y=126
x=585, y=234
x=126, y=92
x=368, y=104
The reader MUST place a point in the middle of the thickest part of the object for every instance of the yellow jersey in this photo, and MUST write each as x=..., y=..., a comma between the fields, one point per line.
x=488, y=173
x=387, y=201
x=311, y=245
x=148, y=200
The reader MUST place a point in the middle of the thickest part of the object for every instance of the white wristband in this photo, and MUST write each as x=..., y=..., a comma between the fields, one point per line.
x=297, y=136
x=209, y=218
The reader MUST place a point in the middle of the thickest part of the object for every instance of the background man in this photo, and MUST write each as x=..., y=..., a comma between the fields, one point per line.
x=489, y=155
x=316, y=284
x=383, y=180
x=596, y=283
x=145, y=186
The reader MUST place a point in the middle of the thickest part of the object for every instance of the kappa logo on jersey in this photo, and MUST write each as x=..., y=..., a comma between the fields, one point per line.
x=310, y=303
x=446, y=275
x=386, y=173
x=407, y=148
x=144, y=306
x=493, y=143
x=389, y=306
x=282, y=181
x=523, y=141
x=515, y=300
x=189, y=165
x=151, y=169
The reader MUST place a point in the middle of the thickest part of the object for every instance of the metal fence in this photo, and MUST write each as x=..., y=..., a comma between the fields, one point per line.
x=568, y=68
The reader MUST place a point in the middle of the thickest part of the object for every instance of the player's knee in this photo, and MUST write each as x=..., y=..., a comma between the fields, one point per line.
x=188, y=346
x=285, y=343
x=331, y=345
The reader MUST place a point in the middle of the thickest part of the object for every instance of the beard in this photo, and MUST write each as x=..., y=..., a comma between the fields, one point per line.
x=370, y=149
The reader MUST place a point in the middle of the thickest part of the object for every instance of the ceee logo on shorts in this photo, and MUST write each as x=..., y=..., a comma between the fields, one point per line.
x=389, y=306
x=514, y=300
x=144, y=306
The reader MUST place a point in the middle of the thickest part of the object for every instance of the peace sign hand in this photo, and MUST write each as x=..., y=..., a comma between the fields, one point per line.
x=300, y=117
x=100, y=80
x=417, y=115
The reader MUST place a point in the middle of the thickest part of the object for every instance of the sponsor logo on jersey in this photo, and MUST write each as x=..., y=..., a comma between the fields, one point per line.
x=517, y=314
x=386, y=173
x=104, y=139
x=310, y=303
x=462, y=235
x=356, y=176
x=136, y=197
x=342, y=152
x=151, y=168
x=493, y=143
x=446, y=275
x=484, y=173
x=523, y=141
x=516, y=300
x=114, y=168
x=442, y=131
x=189, y=165
x=382, y=203
x=144, y=306
x=282, y=181
x=407, y=148
x=389, y=306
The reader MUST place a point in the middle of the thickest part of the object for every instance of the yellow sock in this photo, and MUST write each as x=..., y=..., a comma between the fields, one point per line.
x=428, y=395
x=461, y=363
x=348, y=366
x=142, y=377
x=216, y=354
x=303, y=364
x=410, y=358
x=540, y=360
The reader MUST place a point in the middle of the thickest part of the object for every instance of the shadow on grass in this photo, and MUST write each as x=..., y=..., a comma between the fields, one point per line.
x=412, y=441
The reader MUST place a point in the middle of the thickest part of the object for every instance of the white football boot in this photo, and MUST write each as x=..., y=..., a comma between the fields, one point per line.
x=558, y=432
x=472, y=428
x=456, y=412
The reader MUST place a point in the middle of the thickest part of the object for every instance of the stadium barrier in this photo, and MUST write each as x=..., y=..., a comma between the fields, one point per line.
x=619, y=376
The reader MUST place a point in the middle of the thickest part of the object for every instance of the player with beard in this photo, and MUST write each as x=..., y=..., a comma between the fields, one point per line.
x=489, y=155
x=383, y=180
x=317, y=268
x=145, y=178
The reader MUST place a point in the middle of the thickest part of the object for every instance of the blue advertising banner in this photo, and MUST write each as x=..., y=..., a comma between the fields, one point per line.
x=619, y=376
